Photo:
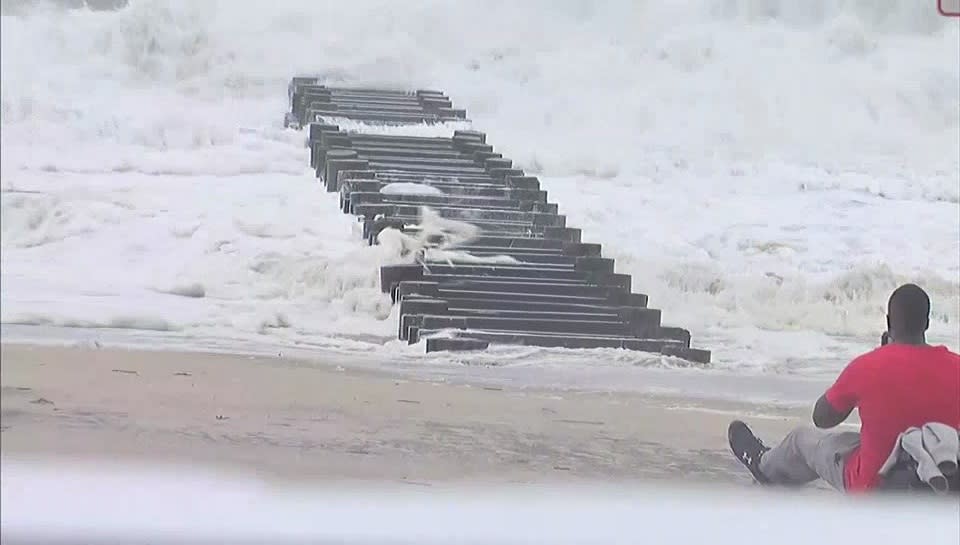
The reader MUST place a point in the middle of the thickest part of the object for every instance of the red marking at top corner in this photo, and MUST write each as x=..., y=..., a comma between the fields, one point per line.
x=949, y=8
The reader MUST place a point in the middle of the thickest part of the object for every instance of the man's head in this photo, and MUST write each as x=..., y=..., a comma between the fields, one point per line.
x=908, y=314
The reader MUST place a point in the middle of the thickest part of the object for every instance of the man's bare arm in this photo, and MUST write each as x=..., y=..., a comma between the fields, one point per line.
x=825, y=416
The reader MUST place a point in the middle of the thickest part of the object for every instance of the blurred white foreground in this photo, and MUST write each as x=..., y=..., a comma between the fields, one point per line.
x=63, y=503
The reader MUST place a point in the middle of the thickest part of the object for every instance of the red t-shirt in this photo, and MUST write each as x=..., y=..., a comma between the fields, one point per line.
x=895, y=387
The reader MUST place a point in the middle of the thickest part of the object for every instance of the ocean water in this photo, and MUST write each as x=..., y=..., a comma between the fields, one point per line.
x=768, y=171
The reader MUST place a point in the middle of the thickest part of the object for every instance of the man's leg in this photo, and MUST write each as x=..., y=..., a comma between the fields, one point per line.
x=806, y=454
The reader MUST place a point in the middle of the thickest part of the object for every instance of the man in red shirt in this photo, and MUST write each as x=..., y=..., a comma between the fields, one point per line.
x=904, y=383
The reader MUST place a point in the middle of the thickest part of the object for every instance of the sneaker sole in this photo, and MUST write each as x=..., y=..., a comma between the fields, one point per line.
x=740, y=428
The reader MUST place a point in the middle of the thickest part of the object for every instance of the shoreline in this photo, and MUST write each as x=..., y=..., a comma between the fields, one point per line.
x=565, y=371
x=297, y=422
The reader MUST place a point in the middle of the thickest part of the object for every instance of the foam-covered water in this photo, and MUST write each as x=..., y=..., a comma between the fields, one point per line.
x=766, y=170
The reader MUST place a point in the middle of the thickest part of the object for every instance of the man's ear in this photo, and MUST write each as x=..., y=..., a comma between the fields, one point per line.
x=926, y=324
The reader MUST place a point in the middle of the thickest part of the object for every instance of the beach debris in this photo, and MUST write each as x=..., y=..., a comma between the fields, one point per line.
x=587, y=422
x=14, y=389
x=126, y=371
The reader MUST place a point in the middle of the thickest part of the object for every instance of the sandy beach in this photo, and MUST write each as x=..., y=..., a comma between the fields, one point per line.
x=304, y=420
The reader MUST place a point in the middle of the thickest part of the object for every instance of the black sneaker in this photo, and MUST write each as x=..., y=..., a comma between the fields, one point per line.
x=747, y=448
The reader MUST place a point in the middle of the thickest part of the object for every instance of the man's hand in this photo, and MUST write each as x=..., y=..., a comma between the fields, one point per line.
x=825, y=416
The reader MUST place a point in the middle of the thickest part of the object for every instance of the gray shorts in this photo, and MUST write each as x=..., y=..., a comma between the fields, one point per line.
x=807, y=454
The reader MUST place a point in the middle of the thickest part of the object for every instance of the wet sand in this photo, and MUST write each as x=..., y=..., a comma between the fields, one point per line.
x=302, y=420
